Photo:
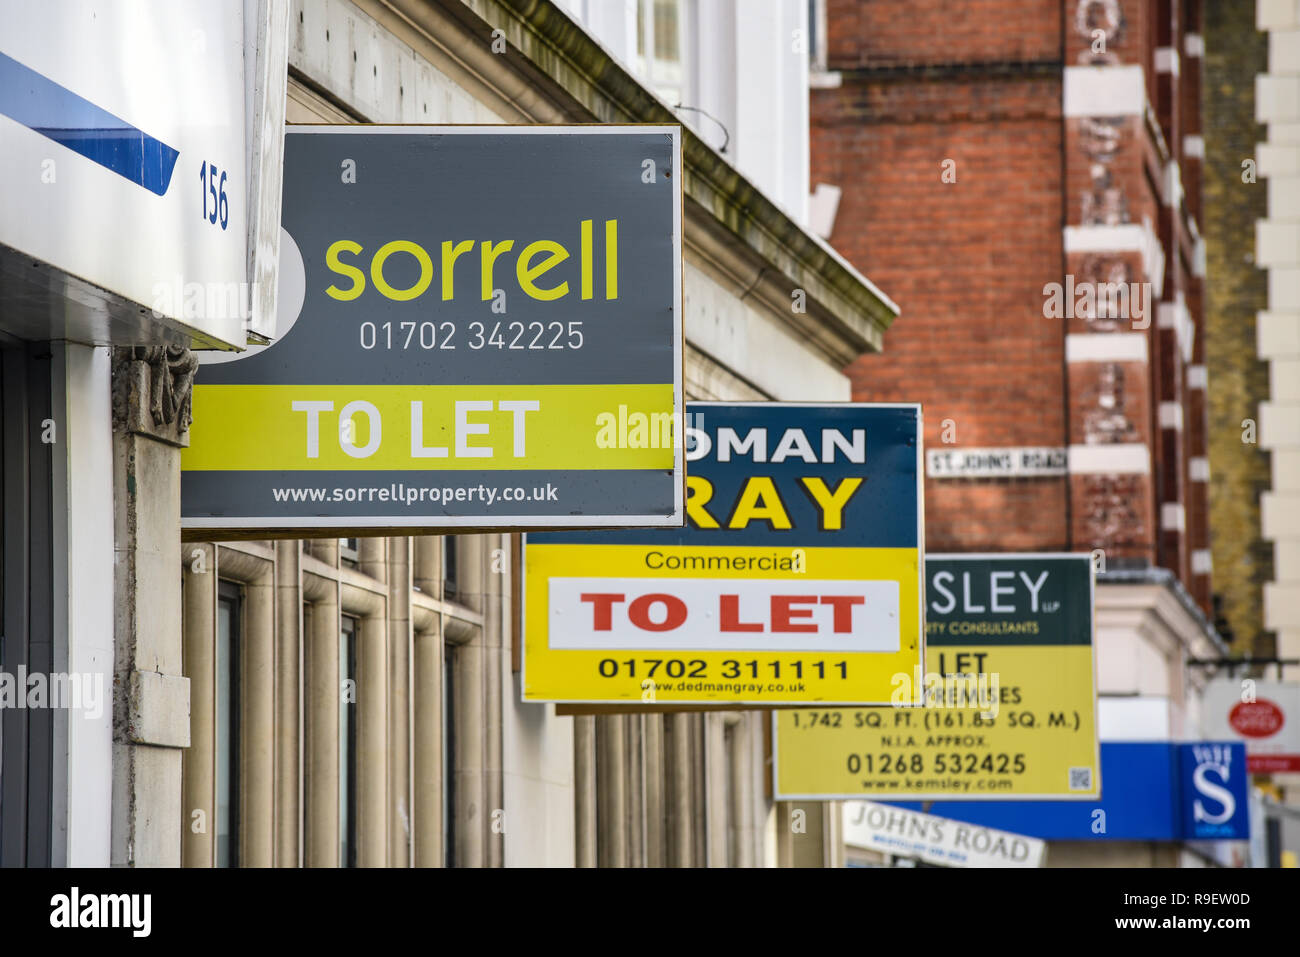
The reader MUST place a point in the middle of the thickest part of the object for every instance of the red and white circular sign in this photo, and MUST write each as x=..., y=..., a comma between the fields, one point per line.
x=1256, y=719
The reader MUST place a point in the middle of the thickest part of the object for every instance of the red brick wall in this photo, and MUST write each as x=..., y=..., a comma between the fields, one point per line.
x=980, y=84
x=967, y=261
x=914, y=32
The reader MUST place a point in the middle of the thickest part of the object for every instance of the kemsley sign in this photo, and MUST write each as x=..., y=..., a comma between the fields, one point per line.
x=481, y=327
x=796, y=578
x=1008, y=689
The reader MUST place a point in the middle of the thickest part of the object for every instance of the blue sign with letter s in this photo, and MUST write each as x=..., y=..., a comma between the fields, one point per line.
x=1214, y=791
x=1152, y=791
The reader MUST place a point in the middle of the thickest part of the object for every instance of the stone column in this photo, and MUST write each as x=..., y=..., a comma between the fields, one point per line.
x=636, y=829
x=151, y=699
x=468, y=731
x=714, y=767
x=400, y=643
x=257, y=707
x=288, y=674
x=372, y=741
x=584, y=787
x=471, y=702
x=495, y=556
x=321, y=724
x=680, y=791
x=199, y=764
x=428, y=759
x=656, y=854
x=611, y=791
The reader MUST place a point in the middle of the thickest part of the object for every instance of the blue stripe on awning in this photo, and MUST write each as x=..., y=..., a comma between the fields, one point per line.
x=54, y=111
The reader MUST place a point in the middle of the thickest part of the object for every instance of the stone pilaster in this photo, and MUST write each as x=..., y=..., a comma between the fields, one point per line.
x=151, y=698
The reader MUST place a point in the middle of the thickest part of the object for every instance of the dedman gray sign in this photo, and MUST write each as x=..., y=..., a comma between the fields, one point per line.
x=480, y=327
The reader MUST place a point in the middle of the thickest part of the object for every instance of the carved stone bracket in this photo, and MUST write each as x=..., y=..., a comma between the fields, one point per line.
x=152, y=388
x=1104, y=271
x=1105, y=417
x=1101, y=138
x=1099, y=19
x=1109, y=517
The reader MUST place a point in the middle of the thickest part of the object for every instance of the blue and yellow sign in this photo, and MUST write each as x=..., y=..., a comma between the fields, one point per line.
x=797, y=578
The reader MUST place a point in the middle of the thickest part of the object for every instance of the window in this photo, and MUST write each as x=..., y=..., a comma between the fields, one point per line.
x=659, y=47
x=817, y=35
x=226, y=744
x=348, y=552
x=348, y=742
x=448, y=758
x=26, y=612
x=449, y=566
x=731, y=804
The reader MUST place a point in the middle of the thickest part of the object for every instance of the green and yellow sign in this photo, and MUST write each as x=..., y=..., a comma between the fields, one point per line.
x=1009, y=696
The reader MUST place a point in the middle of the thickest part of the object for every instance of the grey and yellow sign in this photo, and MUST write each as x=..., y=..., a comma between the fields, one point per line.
x=483, y=331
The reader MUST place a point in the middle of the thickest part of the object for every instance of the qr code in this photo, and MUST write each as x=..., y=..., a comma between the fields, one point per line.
x=1080, y=779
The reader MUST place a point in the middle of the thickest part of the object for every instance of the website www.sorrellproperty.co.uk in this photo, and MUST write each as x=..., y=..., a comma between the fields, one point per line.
x=415, y=495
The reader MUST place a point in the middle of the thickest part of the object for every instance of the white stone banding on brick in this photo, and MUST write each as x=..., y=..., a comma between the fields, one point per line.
x=1104, y=91
x=1106, y=347
x=1175, y=315
x=1129, y=458
x=1126, y=238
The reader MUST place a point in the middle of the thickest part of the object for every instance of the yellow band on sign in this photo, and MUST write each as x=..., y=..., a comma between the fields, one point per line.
x=478, y=427
x=716, y=561
x=673, y=623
